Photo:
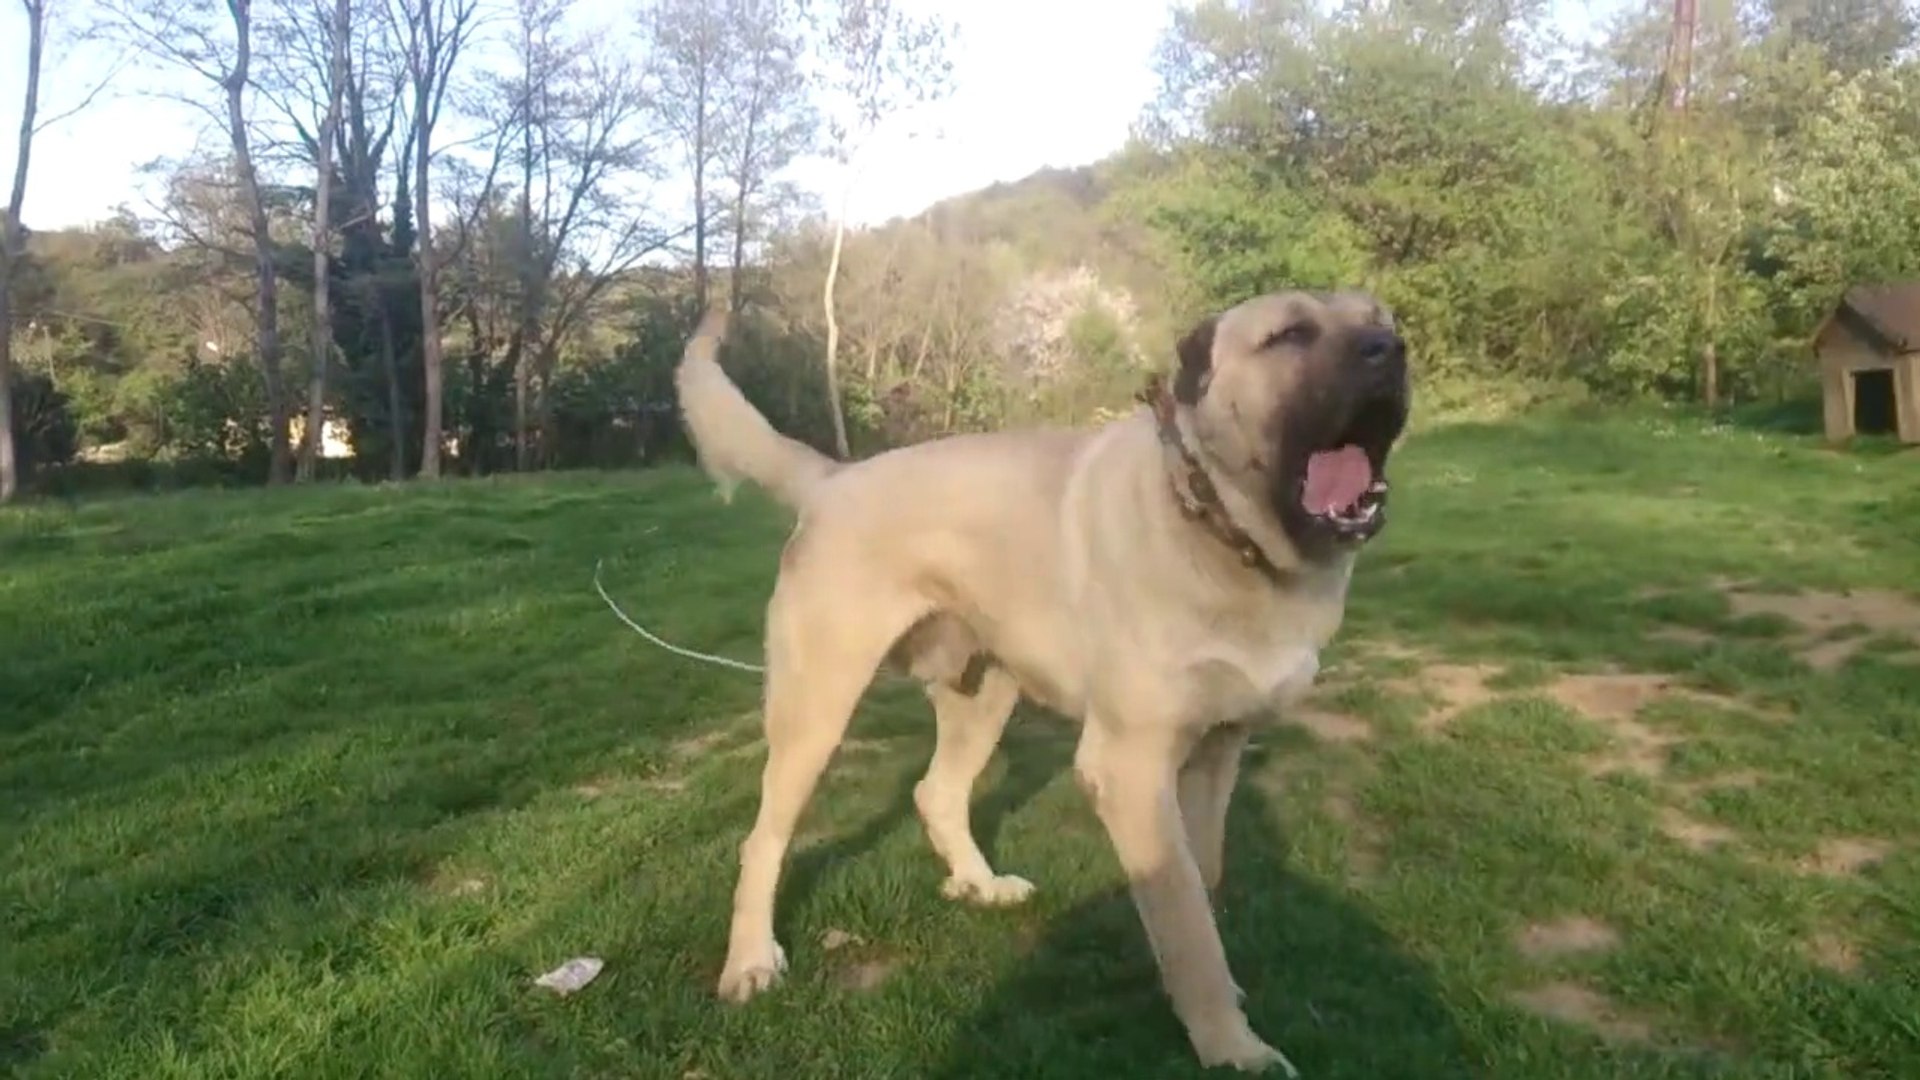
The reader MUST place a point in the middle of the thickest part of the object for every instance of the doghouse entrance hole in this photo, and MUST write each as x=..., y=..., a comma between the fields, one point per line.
x=1873, y=412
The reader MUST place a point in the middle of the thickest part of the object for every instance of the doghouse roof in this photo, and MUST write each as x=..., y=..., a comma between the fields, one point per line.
x=1887, y=314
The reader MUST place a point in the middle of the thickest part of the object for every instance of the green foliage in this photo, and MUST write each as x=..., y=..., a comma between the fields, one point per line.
x=44, y=430
x=1237, y=232
x=1528, y=239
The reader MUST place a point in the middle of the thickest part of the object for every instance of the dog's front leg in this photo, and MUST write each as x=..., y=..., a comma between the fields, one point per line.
x=1131, y=776
x=1206, y=787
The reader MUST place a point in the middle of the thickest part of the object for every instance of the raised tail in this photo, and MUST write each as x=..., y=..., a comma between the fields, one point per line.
x=735, y=442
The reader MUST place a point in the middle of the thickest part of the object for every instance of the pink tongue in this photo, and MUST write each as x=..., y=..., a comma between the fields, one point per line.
x=1336, y=479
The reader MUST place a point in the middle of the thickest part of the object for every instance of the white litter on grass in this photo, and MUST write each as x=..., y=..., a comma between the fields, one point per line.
x=572, y=975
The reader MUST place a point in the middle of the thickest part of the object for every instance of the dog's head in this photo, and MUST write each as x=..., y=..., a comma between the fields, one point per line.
x=1301, y=396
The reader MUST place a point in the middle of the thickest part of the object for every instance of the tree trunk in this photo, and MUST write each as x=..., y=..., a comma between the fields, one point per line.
x=700, y=198
x=478, y=433
x=544, y=364
x=833, y=330
x=12, y=245
x=1709, y=355
x=430, y=350
x=522, y=402
x=396, y=408
x=9, y=468
x=310, y=446
x=266, y=277
x=736, y=290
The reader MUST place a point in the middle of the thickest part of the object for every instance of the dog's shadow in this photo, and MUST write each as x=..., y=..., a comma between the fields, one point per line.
x=1325, y=984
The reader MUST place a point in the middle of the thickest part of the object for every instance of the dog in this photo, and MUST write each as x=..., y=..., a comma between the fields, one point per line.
x=1167, y=579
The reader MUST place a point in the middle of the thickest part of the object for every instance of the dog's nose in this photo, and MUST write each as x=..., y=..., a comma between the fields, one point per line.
x=1379, y=345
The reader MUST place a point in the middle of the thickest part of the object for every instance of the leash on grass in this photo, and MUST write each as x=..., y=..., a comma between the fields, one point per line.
x=708, y=658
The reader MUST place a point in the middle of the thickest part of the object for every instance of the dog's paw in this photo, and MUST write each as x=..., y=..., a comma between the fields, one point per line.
x=745, y=978
x=1238, y=1047
x=1003, y=890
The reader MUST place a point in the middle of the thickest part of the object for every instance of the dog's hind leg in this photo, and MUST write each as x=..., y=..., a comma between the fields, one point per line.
x=821, y=654
x=969, y=727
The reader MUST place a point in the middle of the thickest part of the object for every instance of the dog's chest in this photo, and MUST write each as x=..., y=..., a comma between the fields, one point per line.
x=1227, y=681
x=1257, y=664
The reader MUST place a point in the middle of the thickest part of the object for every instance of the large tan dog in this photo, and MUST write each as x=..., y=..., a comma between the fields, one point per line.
x=1168, y=579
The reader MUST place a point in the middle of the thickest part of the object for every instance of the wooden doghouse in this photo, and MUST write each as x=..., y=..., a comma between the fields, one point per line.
x=1869, y=351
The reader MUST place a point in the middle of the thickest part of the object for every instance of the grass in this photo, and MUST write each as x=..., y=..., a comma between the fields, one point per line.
x=313, y=783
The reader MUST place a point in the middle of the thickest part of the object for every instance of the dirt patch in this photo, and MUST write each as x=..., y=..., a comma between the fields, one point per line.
x=1844, y=856
x=1564, y=936
x=607, y=785
x=1614, y=701
x=1639, y=750
x=1458, y=687
x=1328, y=725
x=1738, y=780
x=863, y=746
x=1684, y=635
x=1832, y=951
x=448, y=883
x=1691, y=832
x=1609, y=698
x=1571, y=1003
x=836, y=939
x=865, y=975
x=700, y=745
x=1366, y=845
x=1820, y=618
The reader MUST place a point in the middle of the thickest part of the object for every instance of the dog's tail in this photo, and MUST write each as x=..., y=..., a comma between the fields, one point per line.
x=734, y=441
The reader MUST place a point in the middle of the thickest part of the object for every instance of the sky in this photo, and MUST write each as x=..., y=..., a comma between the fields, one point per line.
x=1031, y=90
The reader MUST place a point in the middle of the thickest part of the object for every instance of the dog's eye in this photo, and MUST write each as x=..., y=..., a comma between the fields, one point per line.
x=1300, y=333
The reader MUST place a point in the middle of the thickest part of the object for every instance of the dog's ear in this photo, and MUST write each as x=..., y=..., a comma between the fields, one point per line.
x=1196, y=362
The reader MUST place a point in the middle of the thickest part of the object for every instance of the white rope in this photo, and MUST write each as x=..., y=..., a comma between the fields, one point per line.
x=721, y=661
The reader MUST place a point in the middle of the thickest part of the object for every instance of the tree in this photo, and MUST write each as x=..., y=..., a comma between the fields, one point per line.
x=193, y=39
x=689, y=47
x=339, y=29
x=768, y=120
x=880, y=61
x=576, y=108
x=434, y=33
x=13, y=241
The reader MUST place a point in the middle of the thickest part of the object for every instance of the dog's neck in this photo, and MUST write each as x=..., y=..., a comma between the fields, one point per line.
x=1194, y=490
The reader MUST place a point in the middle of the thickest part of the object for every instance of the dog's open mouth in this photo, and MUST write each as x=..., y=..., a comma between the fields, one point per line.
x=1344, y=486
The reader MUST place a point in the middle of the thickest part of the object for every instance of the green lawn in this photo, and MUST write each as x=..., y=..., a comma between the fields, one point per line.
x=314, y=783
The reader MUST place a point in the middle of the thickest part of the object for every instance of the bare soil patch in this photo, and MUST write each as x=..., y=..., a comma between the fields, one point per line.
x=702, y=744
x=1738, y=780
x=1685, y=829
x=1365, y=842
x=1683, y=635
x=1565, y=936
x=1458, y=687
x=1821, y=620
x=1571, y=1003
x=836, y=939
x=1328, y=725
x=1832, y=951
x=1844, y=856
